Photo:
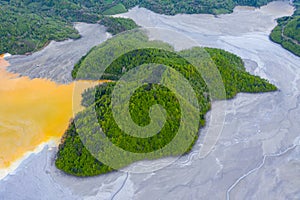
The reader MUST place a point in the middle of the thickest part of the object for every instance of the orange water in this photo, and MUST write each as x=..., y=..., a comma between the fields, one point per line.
x=32, y=112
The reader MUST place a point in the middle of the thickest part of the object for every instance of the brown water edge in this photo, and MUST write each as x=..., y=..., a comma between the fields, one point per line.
x=33, y=112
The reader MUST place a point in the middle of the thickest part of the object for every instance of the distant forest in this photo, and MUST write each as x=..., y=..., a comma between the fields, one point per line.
x=28, y=25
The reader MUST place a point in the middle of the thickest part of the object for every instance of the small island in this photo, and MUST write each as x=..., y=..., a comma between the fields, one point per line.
x=74, y=158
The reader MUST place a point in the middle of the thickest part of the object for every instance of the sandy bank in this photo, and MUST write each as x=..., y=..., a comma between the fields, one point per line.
x=12, y=168
x=56, y=61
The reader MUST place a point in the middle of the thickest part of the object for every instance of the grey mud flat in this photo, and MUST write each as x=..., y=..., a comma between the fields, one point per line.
x=258, y=153
x=56, y=60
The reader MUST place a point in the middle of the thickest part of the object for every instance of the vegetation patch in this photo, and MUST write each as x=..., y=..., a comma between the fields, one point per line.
x=117, y=25
x=117, y=9
x=26, y=32
x=287, y=32
x=173, y=7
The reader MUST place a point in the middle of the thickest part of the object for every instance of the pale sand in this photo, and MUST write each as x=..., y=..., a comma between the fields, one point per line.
x=12, y=168
x=56, y=61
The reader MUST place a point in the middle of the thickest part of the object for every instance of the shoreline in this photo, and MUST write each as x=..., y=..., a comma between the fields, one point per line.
x=56, y=61
x=75, y=88
x=12, y=169
x=11, y=125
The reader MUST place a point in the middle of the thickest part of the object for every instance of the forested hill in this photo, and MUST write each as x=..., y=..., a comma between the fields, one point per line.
x=172, y=7
x=287, y=33
x=28, y=25
x=73, y=156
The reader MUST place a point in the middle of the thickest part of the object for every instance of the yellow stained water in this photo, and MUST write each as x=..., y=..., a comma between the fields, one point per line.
x=33, y=112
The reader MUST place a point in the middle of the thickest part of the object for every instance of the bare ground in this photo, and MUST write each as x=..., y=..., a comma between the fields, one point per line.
x=56, y=61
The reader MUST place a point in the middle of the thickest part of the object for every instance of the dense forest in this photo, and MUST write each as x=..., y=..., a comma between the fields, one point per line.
x=74, y=158
x=28, y=25
x=172, y=7
x=117, y=25
x=287, y=32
